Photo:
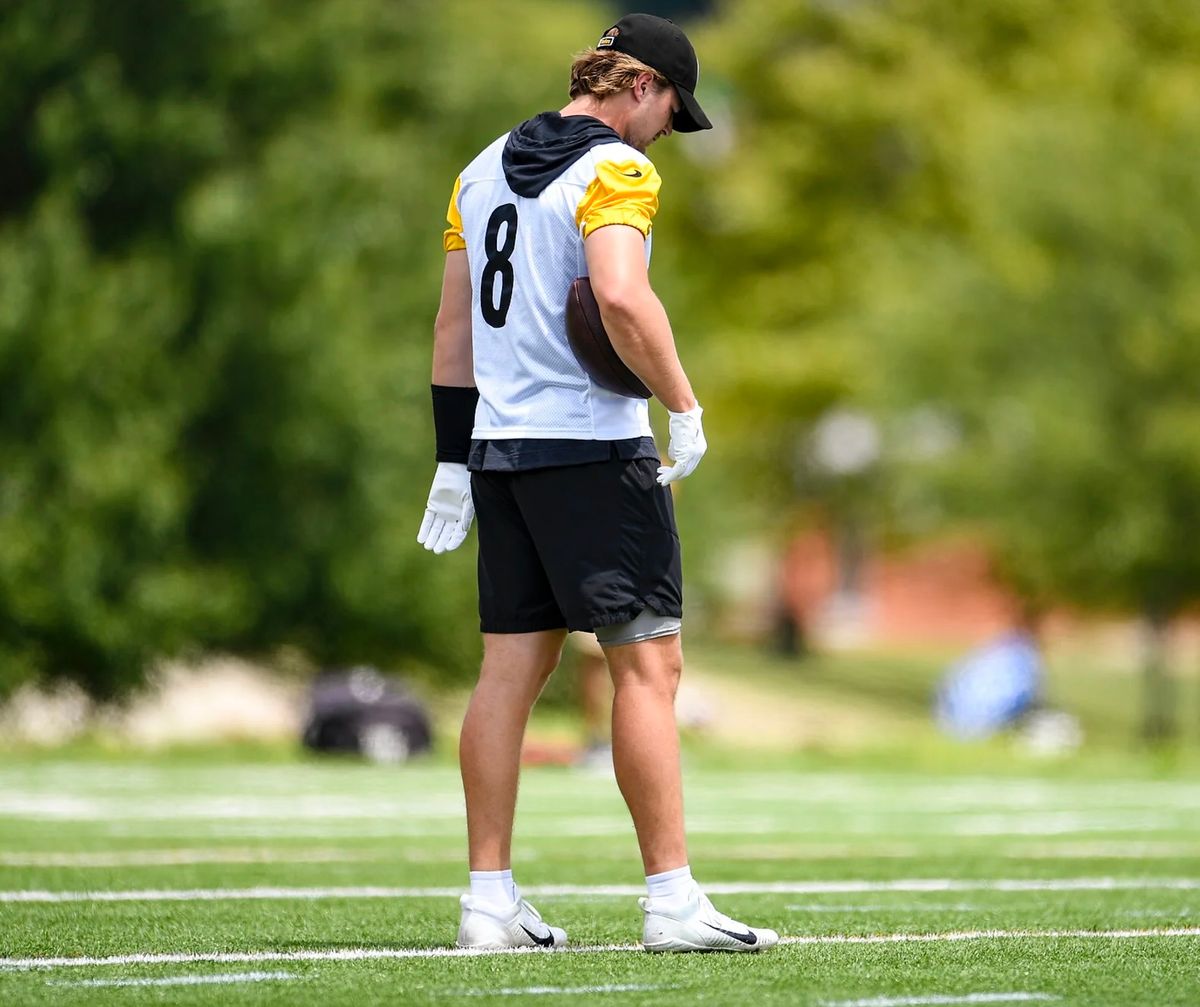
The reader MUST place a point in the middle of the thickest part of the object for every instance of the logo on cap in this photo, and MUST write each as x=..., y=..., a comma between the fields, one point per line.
x=610, y=36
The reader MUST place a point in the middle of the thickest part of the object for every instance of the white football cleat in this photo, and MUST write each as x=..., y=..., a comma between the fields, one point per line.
x=487, y=926
x=696, y=926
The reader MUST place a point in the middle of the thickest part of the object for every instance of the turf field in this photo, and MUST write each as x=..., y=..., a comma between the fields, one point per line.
x=257, y=881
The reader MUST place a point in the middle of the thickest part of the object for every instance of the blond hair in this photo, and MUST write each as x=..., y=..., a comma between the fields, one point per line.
x=602, y=73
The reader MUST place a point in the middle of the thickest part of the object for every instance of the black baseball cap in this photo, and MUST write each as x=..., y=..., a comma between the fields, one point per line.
x=662, y=45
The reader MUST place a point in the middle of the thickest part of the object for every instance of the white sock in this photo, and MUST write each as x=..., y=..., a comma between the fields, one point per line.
x=670, y=886
x=496, y=887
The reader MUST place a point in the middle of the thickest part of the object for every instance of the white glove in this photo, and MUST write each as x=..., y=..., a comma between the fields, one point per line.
x=687, y=446
x=450, y=510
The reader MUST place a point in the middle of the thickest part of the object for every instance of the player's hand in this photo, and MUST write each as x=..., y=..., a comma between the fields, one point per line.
x=450, y=510
x=687, y=446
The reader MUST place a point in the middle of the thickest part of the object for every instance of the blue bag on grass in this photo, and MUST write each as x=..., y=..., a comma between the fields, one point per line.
x=991, y=687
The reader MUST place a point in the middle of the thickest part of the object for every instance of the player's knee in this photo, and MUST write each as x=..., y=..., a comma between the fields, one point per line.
x=654, y=665
x=656, y=678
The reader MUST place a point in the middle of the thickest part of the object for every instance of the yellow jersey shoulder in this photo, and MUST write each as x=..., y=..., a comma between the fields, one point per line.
x=623, y=191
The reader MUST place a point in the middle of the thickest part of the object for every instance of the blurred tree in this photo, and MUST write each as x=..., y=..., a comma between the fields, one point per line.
x=977, y=216
x=1061, y=333
x=219, y=264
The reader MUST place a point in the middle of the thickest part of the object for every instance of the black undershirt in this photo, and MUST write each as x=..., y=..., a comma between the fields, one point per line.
x=524, y=453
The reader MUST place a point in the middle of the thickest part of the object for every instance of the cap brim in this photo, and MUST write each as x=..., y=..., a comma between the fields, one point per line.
x=690, y=118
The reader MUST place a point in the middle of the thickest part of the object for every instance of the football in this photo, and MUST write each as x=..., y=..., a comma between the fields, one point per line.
x=592, y=347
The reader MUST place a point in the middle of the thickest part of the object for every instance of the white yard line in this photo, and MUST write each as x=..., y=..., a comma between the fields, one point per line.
x=214, y=980
x=713, y=888
x=960, y=907
x=987, y=935
x=233, y=894
x=255, y=807
x=335, y=955
x=964, y=828
x=353, y=830
x=1102, y=884
x=169, y=858
x=88, y=791
x=314, y=814
x=1102, y=849
x=907, y=907
x=227, y=818
x=1046, y=823
x=370, y=954
x=509, y=991
x=950, y=998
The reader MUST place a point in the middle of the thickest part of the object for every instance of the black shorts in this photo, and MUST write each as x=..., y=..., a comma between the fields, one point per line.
x=575, y=546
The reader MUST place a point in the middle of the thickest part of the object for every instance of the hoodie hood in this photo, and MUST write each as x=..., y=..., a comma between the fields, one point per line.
x=542, y=148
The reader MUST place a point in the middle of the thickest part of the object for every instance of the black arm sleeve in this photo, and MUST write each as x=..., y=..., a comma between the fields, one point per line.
x=453, y=420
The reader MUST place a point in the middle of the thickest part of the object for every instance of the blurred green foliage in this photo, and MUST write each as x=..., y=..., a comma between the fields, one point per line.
x=975, y=222
x=220, y=257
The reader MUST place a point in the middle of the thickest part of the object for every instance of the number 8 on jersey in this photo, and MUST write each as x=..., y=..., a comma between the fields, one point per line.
x=499, y=262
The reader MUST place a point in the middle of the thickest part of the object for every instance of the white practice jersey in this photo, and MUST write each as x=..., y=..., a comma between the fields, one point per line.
x=524, y=251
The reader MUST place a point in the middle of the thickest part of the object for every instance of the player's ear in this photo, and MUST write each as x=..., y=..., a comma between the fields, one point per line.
x=643, y=84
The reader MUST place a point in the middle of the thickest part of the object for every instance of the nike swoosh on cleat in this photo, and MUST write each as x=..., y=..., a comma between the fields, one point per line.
x=541, y=942
x=747, y=938
x=632, y=174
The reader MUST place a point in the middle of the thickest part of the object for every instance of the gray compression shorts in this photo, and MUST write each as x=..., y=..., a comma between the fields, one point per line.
x=648, y=625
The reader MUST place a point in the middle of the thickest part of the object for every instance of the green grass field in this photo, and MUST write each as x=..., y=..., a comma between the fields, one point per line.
x=222, y=880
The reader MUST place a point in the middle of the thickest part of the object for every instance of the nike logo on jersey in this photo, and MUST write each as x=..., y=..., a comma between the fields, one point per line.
x=632, y=174
x=541, y=942
x=748, y=937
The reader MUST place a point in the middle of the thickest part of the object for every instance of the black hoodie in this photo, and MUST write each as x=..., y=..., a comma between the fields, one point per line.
x=542, y=148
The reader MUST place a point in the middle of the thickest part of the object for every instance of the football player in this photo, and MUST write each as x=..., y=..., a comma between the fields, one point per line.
x=576, y=523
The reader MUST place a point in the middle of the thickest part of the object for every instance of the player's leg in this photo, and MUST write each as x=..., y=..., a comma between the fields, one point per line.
x=646, y=660
x=645, y=677
x=607, y=532
x=613, y=562
x=515, y=668
x=523, y=636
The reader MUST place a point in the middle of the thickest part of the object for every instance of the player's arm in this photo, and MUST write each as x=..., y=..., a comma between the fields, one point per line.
x=453, y=364
x=633, y=315
x=450, y=511
x=614, y=218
